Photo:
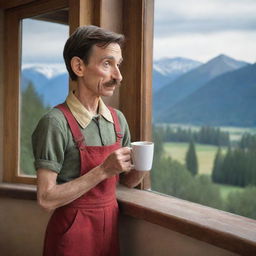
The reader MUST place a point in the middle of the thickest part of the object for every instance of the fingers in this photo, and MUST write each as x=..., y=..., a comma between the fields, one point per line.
x=118, y=161
x=126, y=166
x=125, y=158
x=125, y=150
x=123, y=154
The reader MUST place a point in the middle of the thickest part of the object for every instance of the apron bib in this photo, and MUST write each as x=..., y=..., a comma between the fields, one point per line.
x=88, y=226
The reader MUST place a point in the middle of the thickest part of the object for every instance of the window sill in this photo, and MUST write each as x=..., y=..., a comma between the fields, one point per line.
x=222, y=229
x=18, y=191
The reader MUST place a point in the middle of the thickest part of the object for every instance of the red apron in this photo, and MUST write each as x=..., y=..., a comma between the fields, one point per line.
x=88, y=226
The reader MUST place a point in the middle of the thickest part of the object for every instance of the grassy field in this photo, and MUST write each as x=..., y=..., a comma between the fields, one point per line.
x=226, y=189
x=205, y=154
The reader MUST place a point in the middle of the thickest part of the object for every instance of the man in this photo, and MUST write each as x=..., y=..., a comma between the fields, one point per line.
x=81, y=147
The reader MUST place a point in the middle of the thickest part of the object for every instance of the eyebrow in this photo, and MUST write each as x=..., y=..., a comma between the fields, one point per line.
x=111, y=58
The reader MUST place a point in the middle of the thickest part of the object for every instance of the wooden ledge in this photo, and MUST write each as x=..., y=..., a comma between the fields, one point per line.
x=222, y=229
x=19, y=191
x=219, y=228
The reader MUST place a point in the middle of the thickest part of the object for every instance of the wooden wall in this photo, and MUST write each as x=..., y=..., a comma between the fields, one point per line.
x=1, y=91
x=22, y=225
x=141, y=238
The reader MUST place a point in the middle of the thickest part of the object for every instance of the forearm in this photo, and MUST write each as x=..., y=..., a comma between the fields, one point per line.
x=132, y=178
x=54, y=195
x=50, y=195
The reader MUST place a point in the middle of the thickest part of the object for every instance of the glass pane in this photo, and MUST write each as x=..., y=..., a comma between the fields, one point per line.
x=204, y=96
x=44, y=80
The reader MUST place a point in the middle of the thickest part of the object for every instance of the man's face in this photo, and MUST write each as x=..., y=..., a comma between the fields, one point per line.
x=101, y=75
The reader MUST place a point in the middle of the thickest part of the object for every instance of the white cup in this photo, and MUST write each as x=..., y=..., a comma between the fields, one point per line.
x=142, y=155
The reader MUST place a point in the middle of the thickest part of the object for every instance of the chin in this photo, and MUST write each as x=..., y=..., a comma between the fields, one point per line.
x=107, y=94
x=108, y=91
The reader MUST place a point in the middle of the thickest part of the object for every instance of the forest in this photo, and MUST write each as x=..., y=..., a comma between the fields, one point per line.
x=171, y=177
x=206, y=135
x=32, y=109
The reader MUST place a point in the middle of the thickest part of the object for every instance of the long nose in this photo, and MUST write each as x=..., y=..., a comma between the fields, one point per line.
x=117, y=74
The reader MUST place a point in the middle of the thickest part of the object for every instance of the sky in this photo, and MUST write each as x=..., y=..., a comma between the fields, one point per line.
x=203, y=29
x=43, y=42
x=195, y=29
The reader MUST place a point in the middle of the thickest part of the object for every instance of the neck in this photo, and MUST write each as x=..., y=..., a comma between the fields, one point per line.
x=89, y=101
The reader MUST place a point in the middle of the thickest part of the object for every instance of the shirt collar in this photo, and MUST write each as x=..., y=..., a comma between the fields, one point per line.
x=82, y=115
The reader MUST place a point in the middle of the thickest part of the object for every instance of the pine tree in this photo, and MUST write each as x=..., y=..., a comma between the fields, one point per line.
x=158, y=143
x=227, y=167
x=191, y=159
x=32, y=109
x=216, y=171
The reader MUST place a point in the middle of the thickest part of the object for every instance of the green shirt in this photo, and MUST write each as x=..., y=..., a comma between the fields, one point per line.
x=54, y=148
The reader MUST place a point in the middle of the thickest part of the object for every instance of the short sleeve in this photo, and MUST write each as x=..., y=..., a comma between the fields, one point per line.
x=49, y=144
x=126, y=141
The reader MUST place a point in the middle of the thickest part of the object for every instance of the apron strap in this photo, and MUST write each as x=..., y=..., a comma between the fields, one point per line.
x=75, y=130
x=117, y=126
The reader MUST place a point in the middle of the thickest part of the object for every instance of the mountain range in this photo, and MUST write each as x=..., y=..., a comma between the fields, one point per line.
x=167, y=70
x=227, y=100
x=50, y=82
x=186, y=84
x=195, y=98
x=219, y=92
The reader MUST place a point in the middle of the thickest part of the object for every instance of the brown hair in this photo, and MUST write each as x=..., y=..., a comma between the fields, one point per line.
x=83, y=39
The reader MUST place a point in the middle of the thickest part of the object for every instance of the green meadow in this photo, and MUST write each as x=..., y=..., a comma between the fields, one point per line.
x=226, y=189
x=220, y=196
x=205, y=154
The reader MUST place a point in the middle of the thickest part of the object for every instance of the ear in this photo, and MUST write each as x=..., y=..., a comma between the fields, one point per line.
x=77, y=66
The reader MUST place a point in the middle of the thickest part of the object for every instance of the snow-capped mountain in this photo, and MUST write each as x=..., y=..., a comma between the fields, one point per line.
x=226, y=100
x=177, y=91
x=49, y=80
x=167, y=70
x=48, y=70
x=167, y=66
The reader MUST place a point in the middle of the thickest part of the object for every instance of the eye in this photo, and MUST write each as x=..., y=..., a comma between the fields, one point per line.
x=106, y=63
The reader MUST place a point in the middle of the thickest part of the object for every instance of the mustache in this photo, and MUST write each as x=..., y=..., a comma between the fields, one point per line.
x=112, y=82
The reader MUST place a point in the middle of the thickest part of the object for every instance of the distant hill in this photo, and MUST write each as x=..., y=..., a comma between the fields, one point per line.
x=167, y=70
x=191, y=81
x=227, y=100
x=50, y=82
x=32, y=75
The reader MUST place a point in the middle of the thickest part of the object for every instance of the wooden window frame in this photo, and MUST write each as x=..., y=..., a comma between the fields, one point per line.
x=136, y=89
x=81, y=12
x=137, y=68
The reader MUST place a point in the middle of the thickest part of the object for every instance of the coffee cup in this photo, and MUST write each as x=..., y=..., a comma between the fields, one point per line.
x=142, y=155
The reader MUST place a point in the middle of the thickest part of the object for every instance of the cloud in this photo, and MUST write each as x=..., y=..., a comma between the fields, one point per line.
x=180, y=26
x=201, y=30
x=43, y=41
x=237, y=44
x=189, y=16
